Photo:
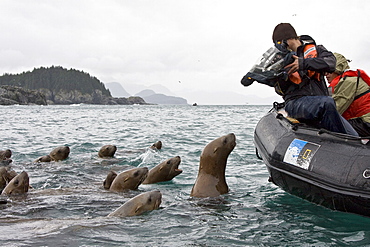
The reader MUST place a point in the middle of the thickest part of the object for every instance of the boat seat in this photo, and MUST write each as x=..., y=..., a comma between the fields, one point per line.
x=285, y=114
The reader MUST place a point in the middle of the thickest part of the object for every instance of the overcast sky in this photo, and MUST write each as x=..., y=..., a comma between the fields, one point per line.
x=203, y=45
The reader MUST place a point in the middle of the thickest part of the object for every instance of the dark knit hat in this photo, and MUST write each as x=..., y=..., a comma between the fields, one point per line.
x=283, y=31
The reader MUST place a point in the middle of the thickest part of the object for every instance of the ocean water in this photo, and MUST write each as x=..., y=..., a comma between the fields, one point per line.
x=67, y=205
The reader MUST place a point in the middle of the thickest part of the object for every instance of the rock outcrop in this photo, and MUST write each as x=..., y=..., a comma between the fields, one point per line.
x=11, y=95
x=57, y=85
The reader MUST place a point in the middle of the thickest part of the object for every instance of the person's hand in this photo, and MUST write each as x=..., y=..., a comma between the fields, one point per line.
x=293, y=67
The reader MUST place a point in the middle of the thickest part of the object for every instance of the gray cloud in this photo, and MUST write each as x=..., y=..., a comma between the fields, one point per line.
x=207, y=45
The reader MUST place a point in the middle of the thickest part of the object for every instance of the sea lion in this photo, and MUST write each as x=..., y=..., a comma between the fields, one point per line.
x=5, y=157
x=5, y=154
x=18, y=185
x=45, y=158
x=59, y=153
x=157, y=145
x=165, y=171
x=139, y=204
x=107, y=151
x=108, y=181
x=129, y=180
x=5, y=177
x=211, y=180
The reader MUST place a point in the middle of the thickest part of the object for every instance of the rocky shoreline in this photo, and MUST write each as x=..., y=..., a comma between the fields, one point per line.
x=12, y=95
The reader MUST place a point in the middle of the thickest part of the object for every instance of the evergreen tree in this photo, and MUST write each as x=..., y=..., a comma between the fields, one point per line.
x=55, y=78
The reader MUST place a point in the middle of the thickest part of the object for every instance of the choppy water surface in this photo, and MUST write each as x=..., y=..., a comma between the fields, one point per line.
x=68, y=204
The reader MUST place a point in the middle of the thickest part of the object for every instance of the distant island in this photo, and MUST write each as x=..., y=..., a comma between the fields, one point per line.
x=150, y=96
x=157, y=98
x=57, y=85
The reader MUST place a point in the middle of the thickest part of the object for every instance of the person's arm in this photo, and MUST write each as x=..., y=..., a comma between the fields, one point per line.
x=344, y=93
x=324, y=62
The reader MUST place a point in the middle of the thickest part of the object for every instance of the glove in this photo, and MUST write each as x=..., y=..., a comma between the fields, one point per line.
x=247, y=80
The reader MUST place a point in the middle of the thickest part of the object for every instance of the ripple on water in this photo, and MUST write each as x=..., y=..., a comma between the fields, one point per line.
x=68, y=204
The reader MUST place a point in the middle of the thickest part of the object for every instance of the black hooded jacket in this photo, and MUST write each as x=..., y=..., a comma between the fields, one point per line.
x=310, y=86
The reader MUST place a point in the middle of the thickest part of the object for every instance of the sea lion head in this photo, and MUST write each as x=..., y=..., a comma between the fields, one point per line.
x=157, y=145
x=165, y=171
x=172, y=165
x=5, y=157
x=6, y=154
x=60, y=153
x=148, y=201
x=18, y=185
x=5, y=177
x=109, y=180
x=211, y=180
x=107, y=151
x=130, y=179
x=216, y=152
x=139, y=204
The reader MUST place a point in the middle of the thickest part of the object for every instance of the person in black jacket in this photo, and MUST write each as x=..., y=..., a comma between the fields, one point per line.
x=304, y=90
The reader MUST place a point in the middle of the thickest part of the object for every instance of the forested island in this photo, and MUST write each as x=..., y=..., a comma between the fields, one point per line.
x=57, y=85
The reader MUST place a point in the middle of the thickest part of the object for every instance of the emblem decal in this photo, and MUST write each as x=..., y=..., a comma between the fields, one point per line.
x=300, y=153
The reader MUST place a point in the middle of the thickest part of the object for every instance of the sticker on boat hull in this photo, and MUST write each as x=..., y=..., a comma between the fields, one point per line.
x=300, y=153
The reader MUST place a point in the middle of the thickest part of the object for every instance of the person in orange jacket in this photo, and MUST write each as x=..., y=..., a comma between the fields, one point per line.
x=305, y=91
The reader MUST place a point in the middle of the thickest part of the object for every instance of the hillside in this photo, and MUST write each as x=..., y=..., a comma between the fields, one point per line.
x=56, y=79
x=116, y=89
x=156, y=98
x=63, y=86
x=150, y=96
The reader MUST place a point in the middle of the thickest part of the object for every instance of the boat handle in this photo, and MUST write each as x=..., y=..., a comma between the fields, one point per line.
x=366, y=173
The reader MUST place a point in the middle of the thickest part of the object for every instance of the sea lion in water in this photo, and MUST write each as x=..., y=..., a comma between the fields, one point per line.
x=18, y=185
x=45, y=158
x=129, y=180
x=211, y=180
x=157, y=145
x=5, y=177
x=165, y=171
x=108, y=181
x=5, y=157
x=59, y=153
x=139, y=204
x=5, y=154
x=107, y=151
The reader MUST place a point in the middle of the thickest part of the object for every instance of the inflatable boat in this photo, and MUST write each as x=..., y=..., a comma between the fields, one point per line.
x=323, y=167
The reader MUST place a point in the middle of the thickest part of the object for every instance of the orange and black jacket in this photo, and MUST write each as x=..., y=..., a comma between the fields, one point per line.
x=314, y=60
